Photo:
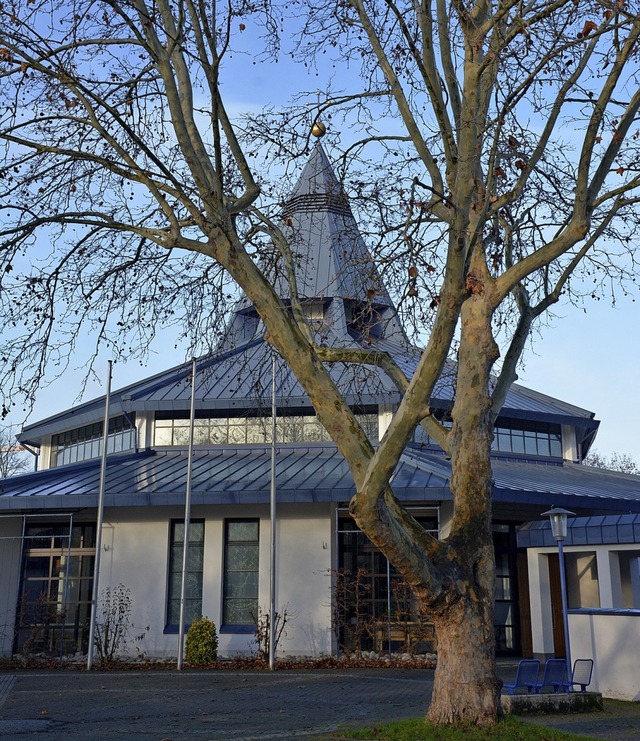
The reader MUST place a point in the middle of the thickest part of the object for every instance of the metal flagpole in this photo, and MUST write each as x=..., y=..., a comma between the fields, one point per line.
x=272, y=574
x=96, y=568
x=187, y=517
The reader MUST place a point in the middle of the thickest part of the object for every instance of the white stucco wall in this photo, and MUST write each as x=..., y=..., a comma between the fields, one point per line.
x=303, y=585
x=135, y=554
x=10, y=554
x=613, y=642
x=582, y=579
x=541, y=615
x=569, y=444
x=44, y=457
x=144, y=427
x=607, y=632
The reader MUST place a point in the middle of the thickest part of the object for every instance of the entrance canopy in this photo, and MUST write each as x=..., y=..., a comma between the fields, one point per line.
x=602, y=530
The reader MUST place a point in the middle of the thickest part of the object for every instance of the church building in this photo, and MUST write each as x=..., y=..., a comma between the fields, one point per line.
x=328, y=575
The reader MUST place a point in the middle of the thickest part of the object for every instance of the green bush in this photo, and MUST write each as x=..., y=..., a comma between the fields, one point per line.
x=202, y=642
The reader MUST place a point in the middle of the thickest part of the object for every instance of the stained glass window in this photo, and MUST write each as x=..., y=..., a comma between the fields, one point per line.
x=249, y=430
x=241, y=550
x=194, y=572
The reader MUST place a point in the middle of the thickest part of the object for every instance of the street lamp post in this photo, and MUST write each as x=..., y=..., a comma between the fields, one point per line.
x=558, y=517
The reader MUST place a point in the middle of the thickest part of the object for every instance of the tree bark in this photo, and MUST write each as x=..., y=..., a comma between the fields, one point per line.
x=466, y=687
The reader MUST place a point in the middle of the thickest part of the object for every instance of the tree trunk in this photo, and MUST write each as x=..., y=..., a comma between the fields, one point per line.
x=466, y=687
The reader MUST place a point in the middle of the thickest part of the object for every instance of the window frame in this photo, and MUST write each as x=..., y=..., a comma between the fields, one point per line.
x=514, y=438
x=229, y=626
x=56, y=584
x=294, y=426
x=172, y=626
x=85, y=443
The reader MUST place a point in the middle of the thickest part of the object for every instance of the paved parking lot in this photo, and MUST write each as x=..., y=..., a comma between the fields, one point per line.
x=239, y=706
x=205, y=705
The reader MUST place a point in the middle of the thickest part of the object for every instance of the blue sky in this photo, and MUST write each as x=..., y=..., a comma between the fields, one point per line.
x=592, y=360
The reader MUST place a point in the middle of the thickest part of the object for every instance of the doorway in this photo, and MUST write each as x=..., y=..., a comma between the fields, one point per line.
x=555, y=591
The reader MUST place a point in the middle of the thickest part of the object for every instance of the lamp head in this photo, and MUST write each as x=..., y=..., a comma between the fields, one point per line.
x=558, y=517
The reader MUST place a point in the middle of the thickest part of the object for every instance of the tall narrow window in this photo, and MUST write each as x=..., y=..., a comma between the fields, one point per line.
x=506, y=621
x=241, y=547
x=195, y=560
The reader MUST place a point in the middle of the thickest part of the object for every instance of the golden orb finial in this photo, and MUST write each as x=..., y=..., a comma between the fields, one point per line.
x=318, y=129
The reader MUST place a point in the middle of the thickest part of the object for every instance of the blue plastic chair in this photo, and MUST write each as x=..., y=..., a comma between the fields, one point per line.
x=554, y=675
x=581, y=676
x=526, y=676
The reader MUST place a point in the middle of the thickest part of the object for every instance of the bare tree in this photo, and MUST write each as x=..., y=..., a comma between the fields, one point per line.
x=13, y=457
x=128, y=187
x=622, y=462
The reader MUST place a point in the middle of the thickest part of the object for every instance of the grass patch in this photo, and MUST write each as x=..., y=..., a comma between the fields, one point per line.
x=418, y=729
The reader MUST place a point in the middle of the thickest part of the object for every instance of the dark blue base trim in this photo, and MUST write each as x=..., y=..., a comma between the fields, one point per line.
x=604, y=611
x=238, y=629
x=173, y=629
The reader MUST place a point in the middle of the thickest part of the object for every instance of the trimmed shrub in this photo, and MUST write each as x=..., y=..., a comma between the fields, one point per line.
x=201, y=646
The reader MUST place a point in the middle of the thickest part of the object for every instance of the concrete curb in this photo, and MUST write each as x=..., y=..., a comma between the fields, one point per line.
x=552, y=703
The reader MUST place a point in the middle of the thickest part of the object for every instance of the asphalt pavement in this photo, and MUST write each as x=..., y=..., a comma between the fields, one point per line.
x=237, y=705
x=208, y=705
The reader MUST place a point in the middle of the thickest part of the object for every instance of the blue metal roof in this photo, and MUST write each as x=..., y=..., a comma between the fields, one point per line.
x=563, y=485
x=546, y=484
x=600, y=530
x=331, y=257
x=241, y=379
x=305, y=474
x=222, y=475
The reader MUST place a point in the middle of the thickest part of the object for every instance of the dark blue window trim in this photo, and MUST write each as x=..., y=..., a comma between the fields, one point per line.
x=628, y=611
x=173, y=629
x=238, y=629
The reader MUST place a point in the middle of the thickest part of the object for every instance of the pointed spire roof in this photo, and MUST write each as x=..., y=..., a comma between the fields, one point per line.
x=318, y=178
x=331, y=258
x=335, y=272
